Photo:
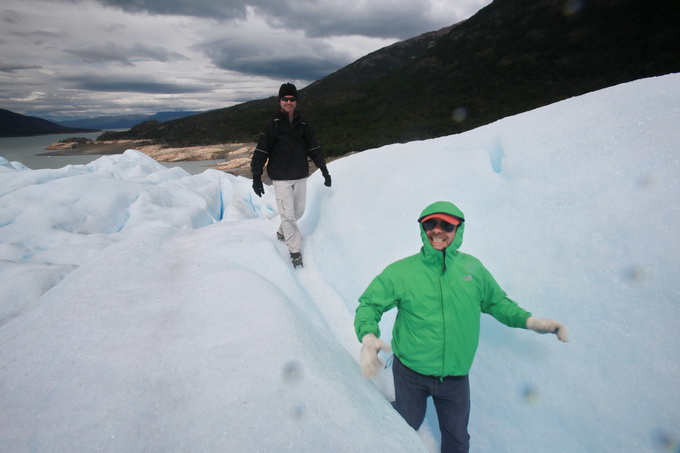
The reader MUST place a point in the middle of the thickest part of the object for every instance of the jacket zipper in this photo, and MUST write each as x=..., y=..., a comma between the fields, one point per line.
x=441, y=298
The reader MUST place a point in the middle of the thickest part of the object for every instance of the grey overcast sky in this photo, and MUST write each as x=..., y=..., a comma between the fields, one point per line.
x=68, y=59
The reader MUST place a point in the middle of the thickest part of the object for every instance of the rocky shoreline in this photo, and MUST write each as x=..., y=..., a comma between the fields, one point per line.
x=236, y=156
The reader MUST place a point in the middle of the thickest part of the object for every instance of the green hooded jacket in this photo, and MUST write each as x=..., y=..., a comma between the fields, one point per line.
x=439, y=295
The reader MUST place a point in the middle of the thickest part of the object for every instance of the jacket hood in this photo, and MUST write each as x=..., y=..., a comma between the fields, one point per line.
x=451, y=209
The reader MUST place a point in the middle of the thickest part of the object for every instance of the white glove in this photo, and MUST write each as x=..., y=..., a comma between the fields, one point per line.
x=370, y=363
x=542, y=325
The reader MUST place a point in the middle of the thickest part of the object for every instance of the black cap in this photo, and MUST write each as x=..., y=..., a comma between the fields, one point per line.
x=287, y=89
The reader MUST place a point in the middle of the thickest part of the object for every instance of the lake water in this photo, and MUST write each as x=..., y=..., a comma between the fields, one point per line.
x=26, y=150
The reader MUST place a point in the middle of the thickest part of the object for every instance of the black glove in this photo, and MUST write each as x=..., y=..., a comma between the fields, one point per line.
x=257, y=186
x=326, y=177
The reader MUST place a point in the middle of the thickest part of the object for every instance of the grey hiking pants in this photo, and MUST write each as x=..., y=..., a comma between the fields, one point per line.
x=290, y=200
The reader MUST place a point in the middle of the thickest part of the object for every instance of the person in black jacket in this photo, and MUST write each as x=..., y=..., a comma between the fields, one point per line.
x=285, y=144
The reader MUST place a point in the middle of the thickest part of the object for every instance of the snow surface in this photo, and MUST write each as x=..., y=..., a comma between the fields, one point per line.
x=146, y=309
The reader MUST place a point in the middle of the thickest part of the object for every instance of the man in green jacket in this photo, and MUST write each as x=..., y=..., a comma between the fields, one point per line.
x=440, y=294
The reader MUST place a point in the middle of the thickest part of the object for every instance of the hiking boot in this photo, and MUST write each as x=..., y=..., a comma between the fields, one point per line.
x=296, y=258
x=280, y=237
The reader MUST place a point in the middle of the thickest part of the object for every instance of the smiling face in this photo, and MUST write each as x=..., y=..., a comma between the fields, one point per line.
x=439, y=238
x=440, y=229
x=288, y=104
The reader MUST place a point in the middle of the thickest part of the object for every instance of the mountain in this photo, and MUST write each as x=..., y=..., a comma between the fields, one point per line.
x=510, y=57
x=124, y=121
x=16, y=125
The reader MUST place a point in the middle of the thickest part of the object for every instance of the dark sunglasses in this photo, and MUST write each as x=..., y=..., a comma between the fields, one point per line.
x=429, y=225
x=289, y=99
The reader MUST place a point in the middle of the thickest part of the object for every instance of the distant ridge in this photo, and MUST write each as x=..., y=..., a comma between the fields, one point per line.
x=125, y=121
x=17, y=125
x=510, y=57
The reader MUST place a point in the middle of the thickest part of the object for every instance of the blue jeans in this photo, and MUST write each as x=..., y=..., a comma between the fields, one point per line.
x=451, y=397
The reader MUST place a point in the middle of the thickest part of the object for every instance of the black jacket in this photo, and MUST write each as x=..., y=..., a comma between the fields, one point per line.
x=286, y=147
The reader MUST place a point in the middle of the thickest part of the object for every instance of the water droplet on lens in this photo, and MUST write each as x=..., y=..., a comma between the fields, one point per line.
x=572, y=7
x=299, y=411
x=293, y=372
x=665, y=441
x=460, y=114
x=530, y=394
x=634, y=274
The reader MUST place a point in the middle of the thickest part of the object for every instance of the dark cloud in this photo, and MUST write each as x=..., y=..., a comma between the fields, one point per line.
x=10, y=16
x=222, y=9
x=42, y=37
x=130, y=84
x=14, y=67
x=125, y=56
x=42, y=34
x=376, y=19
x=321, y=18
x=269, y=59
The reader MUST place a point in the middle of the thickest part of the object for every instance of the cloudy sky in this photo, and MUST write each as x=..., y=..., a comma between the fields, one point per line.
x=67, y=59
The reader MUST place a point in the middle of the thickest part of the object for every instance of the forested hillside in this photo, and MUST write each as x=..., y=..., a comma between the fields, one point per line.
x=512, y=56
